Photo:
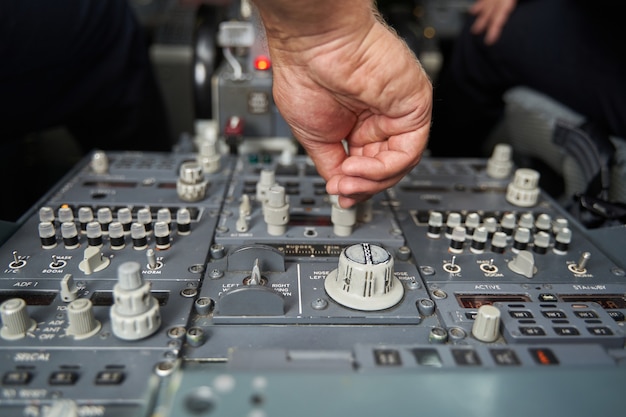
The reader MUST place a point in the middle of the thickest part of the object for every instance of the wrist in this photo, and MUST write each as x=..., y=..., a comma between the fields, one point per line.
x=298, y=29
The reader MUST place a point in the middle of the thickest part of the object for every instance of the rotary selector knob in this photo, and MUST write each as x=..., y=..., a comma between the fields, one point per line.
x=364, y=279
x=523, y=264
x=524, y=190
x=486, y=326
x=135, y=313
x=191, y=185
x=500, y=164
x=15, y=319
x=82, y=323
x=62, y=408
x=99, y=163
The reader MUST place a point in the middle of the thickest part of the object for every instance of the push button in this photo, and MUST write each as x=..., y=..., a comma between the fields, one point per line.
x=63, y=378
x=387, y=357
x=466, y=357
x=586, y=314
x=600, y=331
x=554, y=314
x=110, y=378
x=566, y=331
x=521, y=314
x=16, y=378
x=532, y=331
x=505, y=357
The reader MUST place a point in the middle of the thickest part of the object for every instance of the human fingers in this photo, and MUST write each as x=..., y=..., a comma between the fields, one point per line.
x=491, y=16
x=359, y=188
x=482, y=10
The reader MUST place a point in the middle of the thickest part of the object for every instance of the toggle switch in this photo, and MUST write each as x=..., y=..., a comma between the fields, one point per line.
x=580, y=267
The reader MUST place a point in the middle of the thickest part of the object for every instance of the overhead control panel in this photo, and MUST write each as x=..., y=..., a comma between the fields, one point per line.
x=198, y=283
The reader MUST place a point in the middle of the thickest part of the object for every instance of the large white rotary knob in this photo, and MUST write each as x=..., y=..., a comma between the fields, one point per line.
x=524, y=190
x=364, y=279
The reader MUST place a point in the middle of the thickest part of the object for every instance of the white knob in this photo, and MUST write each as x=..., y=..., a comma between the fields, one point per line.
x=486, y=326
x=523, y=264
x=364, y=279
x=343, y=219
x=276, y=210
x=15, y=319
x=267, y=179
x=135, y=313
x=82, y=321
x=191, y=185
x=524, y=190
x=93, y=260
x=99, y=162
x=62, y=408
x=500, y=164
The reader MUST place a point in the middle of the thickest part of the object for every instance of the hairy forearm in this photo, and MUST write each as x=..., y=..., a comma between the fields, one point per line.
x=298, y=25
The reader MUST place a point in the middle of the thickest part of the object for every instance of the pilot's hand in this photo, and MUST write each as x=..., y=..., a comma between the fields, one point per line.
x=355, y=97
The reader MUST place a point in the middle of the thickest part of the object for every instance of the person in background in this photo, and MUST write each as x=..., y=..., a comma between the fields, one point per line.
x=76, y=66
x=569, y=50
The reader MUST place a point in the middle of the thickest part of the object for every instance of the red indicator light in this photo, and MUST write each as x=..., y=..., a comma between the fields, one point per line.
x=262, y=63
x=544, y=356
